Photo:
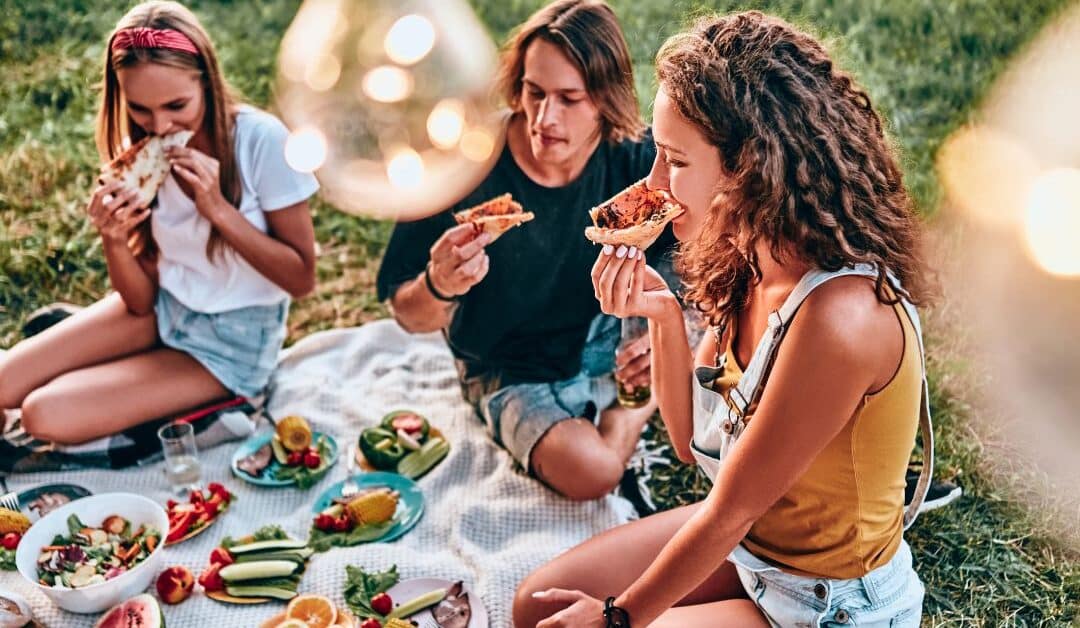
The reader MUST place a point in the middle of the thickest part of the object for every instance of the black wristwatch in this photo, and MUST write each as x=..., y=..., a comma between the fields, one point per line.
x=431, y=287
x=615, y=617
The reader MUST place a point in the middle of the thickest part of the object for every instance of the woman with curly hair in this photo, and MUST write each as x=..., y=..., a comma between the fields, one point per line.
x=799, y=245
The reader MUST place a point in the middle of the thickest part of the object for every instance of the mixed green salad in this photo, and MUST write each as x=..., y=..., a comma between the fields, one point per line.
x=88, y=556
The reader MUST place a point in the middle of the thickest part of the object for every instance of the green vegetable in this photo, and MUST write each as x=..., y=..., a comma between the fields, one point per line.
x=298, y=556
x=381, y=448
x=417, y=604
x=7, y=559
x=303, y=476
x=264, y=546
x=388, y=423
x=321, y=540
x=258, y=569
x=420, y=462
x=74, y=525
x=265, y=533
x=244, y=590
x=361, y=586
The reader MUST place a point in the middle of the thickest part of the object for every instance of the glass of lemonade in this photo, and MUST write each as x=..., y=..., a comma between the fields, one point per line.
x=632, y=396
x=182, y=468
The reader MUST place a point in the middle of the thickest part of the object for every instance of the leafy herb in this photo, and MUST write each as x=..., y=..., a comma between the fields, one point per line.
x=265, y=533
x=361, y=586
x=7, y=559
x=321, y=541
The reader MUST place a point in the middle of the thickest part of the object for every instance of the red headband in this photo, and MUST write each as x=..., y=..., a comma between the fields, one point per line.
x=153, y=38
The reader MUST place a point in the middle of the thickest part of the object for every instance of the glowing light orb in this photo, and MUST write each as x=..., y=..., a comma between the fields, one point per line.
x=401, y=94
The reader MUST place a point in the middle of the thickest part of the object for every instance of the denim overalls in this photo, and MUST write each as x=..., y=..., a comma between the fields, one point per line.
x=890, y=595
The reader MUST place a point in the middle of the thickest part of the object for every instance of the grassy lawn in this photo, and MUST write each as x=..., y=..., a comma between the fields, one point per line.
x=926, y=63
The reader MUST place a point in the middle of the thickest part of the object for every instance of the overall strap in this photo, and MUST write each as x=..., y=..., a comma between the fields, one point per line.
x=742, y=396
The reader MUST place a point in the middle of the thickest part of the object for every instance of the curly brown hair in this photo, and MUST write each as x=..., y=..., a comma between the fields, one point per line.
x=809, y=170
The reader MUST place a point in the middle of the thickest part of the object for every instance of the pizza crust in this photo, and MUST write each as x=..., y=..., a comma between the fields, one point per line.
x=495, y=216
x=144, y=165
x=635, y=217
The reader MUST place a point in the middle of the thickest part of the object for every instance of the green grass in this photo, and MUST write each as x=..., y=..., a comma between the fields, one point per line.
x=986, y=560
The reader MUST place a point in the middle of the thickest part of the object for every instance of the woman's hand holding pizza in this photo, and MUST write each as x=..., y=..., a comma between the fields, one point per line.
x=458, y=260
x=626, y=286
x=202, y=173
x=115, y=211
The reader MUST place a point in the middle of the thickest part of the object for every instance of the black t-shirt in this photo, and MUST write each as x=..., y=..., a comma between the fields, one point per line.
x=528, y=318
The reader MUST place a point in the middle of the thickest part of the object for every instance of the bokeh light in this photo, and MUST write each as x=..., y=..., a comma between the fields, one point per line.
x=1011, y=224
x=410, y=39
x=305, y=150
x=1052, y=222
x=401, y=92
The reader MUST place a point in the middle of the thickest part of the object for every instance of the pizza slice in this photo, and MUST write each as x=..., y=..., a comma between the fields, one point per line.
x=495, y=216
x=634, y=217
x=144, y=165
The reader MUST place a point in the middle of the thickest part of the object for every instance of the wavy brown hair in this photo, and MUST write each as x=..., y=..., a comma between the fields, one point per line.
x=114, y=123
x=589, y=33
x=808, y=169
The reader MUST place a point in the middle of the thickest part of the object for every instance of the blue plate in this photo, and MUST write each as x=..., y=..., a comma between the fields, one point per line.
x=256, y=442
x=410, y=503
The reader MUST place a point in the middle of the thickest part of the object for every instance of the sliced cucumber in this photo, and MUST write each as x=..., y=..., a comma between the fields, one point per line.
x=297, y=556
x=264, y=546
x=257, y=591
x=258, y=569
x=280, y=454
x=420, y=462
x=417, y=604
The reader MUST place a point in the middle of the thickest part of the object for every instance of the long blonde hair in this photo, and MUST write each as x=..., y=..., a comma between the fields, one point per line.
x=114, y=122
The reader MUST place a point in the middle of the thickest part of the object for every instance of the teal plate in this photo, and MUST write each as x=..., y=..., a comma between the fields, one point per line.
x=254, y=443
x=410, y=502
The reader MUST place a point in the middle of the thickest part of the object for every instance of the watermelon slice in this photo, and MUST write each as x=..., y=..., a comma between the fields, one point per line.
x=141, y=611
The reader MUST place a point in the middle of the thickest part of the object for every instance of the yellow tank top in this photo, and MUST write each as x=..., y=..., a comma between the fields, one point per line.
x=844, y=516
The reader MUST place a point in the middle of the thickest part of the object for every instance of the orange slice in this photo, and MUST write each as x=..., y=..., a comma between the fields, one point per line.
x=316, y=611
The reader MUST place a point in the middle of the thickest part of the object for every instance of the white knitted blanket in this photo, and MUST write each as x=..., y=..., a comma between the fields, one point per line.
x=484, y=522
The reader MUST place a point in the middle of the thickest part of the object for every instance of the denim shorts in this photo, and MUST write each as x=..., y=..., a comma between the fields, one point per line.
x=517, y=416
x=239, y=347
x=889, y=596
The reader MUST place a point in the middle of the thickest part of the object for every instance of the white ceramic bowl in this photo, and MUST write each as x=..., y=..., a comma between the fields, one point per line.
x=92, y=511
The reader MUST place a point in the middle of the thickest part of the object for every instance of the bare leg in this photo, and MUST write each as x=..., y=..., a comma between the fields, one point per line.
x=625, y=552
x=104, y=331
x=582, y=462
x=106, y=398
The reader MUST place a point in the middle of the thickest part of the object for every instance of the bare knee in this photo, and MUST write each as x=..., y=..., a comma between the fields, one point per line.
x=528, y=611
x=11, y=388
x=579, y=473
x=42, y=417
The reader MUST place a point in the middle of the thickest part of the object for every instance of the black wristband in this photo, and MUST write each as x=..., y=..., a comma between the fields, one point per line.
x=615, y=617
x=431, y=287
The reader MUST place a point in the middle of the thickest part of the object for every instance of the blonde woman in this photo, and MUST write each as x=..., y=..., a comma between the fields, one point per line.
x=202, y=278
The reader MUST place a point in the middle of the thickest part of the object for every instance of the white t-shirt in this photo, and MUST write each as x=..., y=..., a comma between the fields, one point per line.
x=181, y=232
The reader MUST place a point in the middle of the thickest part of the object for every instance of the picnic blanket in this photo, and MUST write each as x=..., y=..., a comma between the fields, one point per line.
x=484, y=522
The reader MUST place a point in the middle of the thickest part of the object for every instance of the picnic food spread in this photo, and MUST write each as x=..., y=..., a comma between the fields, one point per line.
x=92, y=555
x=404, y=443
x=200, y=512
x=268, y=565
x=495, y=216
x=144, y=165
x=635, y=216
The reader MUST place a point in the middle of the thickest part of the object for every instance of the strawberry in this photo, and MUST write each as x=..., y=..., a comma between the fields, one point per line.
x=220, y=556
x=210, y=579
x=295, y=458
x=11, y=540
x=342, y=523
x=370, y=622
x=312, y=460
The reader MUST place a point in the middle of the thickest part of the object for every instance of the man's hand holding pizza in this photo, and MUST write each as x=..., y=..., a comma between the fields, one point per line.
x=458, y=261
